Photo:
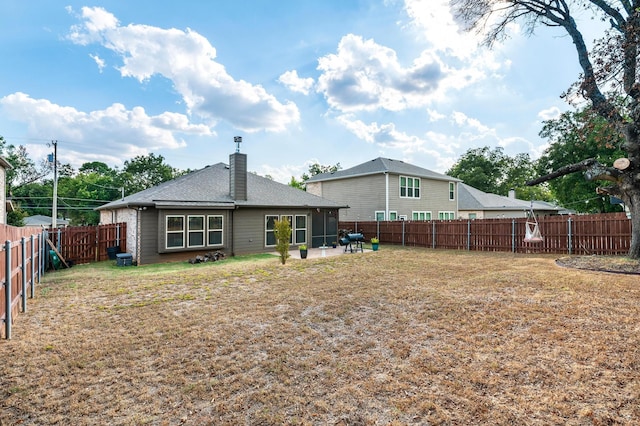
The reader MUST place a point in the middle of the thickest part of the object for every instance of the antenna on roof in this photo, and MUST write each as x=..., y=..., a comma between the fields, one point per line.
x=237, y=140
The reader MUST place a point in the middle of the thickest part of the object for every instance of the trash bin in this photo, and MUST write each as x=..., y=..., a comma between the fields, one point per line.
x=112, y=252
x=124, y=259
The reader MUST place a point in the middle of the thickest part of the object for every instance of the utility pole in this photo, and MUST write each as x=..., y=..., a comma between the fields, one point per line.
x=54, y=210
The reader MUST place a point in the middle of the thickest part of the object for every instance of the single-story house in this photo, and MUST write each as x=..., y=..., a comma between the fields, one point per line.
x=220, y=207
x=386, y=189
x=42, y=220
x=476, y=204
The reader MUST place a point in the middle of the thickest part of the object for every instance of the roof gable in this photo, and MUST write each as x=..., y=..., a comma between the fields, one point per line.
x=382, y=165
x=209, y=187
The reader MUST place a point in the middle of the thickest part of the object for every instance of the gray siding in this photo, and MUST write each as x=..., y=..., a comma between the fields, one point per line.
x=249, y=228
x=366, y=194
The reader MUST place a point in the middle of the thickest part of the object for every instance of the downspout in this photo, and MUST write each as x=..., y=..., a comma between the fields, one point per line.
x=386, y=196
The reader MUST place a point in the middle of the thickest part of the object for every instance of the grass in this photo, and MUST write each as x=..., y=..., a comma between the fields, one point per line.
x=396, y=337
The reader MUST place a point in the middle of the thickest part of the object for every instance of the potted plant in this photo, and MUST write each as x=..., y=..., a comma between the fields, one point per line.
x=303, y=251
x=334, y=244
x=374, y=243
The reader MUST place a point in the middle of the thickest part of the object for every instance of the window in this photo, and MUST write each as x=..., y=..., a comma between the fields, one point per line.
x=269, y=226
x=175, y=231
x=191, y=231
x=472, y=215
x=301, y=229
x=393, y=215
x=214, y=229
x=409, y=187
x=421, y=215
x=379, y=216
x=298, y=229
x=452, y=191
x=446, y=215
x=195, y=231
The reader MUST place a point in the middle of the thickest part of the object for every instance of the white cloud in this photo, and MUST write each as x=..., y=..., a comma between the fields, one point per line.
x=188, y=60
x=123, y=133
x=366, y=76
x=99, y=62
x=291, y=80
x=550, y=113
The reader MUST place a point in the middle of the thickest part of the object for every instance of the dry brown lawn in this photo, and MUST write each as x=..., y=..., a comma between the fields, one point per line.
x=398, y=336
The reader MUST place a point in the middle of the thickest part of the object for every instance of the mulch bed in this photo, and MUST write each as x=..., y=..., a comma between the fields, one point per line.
x=613, y=264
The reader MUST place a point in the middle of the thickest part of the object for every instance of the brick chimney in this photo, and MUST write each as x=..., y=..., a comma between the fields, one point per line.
x=238, y=173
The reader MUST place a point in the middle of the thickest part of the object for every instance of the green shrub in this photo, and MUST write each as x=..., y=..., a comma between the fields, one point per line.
x=282, y=232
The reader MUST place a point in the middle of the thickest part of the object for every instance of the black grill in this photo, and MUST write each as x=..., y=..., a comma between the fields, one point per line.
x=349, y=238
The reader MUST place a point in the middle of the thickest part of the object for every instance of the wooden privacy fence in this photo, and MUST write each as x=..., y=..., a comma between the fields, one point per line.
x=21, y=266
x=86, y=244
x=602, y=234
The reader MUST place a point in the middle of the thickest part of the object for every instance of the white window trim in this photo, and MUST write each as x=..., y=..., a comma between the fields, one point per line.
x=393, y=213
x=414, y=180
x=199, y=231
x=296, y=229
x=425, y=212
x=384, y=216
x=167, y=232
x=444, y=215
x=221, y=230
x=293, y=228
x=452, y=191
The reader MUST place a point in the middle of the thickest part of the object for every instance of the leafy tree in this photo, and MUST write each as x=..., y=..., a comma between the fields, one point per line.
x=282, y=231
x=495, y=172
x=145, y=171
x=609, y=73
x=295, y=183
x=582, y=134
x=316, y=169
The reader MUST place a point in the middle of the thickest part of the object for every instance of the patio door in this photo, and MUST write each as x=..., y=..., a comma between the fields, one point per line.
x=324, y=227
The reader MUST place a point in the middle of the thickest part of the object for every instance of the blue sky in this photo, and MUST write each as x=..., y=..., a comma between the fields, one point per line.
x=302, y=81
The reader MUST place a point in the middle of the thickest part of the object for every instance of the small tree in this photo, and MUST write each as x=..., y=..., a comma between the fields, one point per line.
x=282, y=230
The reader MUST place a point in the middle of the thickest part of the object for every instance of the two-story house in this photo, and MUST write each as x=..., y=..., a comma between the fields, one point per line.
x=386, y=189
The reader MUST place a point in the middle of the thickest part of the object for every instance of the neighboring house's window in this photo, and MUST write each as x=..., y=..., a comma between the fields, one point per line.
x=214, y=230
x=379, y=216
x=421, y=215
x=452, y=191
x=472, y=215
x=403, y=217
x=301, y=229
x=393, y=215
x=269, y=226
x=446, y=215
x=409, y=187
x=175, y=231
x=195, y=231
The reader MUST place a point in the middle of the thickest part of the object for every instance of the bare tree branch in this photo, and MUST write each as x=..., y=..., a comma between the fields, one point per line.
x=593, y=171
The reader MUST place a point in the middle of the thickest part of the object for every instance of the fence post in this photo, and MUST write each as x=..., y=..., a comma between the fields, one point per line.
x=403, y=233
x=23, y=271
x=33, y=267
x=468, y=235
x=570, y=236
x=433, y=234
x=7, y=290
x=513, y=235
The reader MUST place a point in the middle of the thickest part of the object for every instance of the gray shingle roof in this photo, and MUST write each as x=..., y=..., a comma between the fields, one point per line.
x=209, y=188
x=470, y=198
x=381, y=165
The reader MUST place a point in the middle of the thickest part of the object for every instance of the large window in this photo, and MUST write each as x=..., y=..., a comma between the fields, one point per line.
x=421, y=215
x=298, y=229
x=214, y=229
x=452, y=191
x=409, y=187
x=446, y=215
x=301, y=229
x=175, y=231
x=192, y=231
x=196, y=231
